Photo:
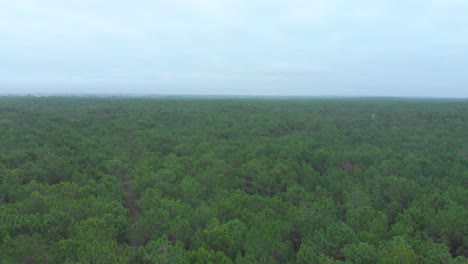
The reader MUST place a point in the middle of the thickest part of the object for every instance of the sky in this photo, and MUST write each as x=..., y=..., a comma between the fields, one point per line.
x=236, y=47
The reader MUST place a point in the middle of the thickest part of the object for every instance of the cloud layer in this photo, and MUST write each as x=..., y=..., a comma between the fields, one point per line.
x=295, y=47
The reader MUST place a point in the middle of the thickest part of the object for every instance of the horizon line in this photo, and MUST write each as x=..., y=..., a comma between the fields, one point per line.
x=158, y=95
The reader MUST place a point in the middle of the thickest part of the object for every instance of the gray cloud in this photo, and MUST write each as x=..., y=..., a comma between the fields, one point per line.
x=315, y=47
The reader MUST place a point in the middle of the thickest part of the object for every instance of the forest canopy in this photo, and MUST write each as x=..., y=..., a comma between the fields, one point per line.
x=184, y=180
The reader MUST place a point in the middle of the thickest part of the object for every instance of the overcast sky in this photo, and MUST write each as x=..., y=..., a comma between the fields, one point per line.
x=248, y=47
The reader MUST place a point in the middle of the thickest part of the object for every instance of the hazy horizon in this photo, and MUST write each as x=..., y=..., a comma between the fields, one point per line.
x=228, y=48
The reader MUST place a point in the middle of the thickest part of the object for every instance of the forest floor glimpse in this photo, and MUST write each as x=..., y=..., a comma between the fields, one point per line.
x=153, y=180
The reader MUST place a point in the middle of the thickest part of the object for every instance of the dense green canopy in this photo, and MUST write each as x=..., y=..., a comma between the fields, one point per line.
x=121, y=180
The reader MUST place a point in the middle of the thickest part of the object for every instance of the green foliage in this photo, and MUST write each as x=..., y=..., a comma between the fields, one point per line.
x=163, y=251
x=399, y=251
x=178, y=180
x=334, y=238
x=361, y=253
x=370, y=225
x=228, y=238
x=202, y=256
